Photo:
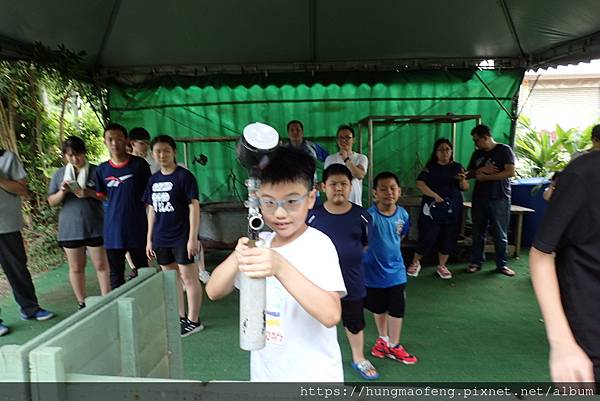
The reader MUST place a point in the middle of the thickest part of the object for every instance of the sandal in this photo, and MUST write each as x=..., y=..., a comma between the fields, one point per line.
x=507, y=271
x=366, y=370
x=444, y=273
x=414, y=269
x=472, y=268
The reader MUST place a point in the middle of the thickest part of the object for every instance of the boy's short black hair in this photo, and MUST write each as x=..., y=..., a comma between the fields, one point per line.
x=481, y=131
x=116, y=127
x=164, y=139
x=345, y=127
x=75, y=144
x=383, y=176
x=139, y=134
x=295, y=122
x=289, y=165
x=596, y=132
x=337, y=169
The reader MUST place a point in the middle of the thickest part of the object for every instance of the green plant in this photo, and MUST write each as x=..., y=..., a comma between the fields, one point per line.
x=541, y=153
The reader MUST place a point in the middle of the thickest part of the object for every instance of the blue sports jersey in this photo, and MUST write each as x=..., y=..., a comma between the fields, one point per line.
x=384, y=266
x=125, y=222
x=170, y=197
x=349, y=234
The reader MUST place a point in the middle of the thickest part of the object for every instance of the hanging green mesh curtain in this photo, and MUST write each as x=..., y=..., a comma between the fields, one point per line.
x=220, y=107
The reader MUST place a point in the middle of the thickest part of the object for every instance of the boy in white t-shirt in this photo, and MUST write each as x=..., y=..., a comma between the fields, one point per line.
x=304, y=280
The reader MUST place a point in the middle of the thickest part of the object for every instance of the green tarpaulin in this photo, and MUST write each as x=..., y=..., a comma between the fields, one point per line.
x=222, y=107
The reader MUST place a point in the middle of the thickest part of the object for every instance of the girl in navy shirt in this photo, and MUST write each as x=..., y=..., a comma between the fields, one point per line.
x=173, y=221
x=441, y=183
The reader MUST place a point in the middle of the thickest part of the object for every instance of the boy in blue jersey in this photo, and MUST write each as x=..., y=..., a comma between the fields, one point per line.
x=122, y=181
x=347, y=225
x=385, y=272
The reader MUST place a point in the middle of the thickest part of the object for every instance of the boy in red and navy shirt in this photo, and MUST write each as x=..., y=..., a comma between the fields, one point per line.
x=122, y=181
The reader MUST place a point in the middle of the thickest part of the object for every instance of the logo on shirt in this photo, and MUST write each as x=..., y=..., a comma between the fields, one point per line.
x=161, y=200
x=399, y=226
x=113, y=181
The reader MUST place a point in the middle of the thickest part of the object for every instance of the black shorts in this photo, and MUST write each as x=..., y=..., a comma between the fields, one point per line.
x=390, y=300
x=353, y=317
x=178, y=254
x=93, y=242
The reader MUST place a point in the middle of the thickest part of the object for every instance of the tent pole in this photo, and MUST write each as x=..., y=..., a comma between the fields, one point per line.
x=359, y=132
x=370, y=156
x=185, y=154
x=454, y=135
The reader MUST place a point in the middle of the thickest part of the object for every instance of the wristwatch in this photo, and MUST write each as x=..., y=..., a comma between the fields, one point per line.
x=346, y=159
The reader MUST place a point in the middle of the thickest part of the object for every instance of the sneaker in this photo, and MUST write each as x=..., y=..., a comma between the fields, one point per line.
x=80, y=305
x=507, y=271
x=190, y=327
x=3, y=329
x=380, y=349
x=399, y=354
x=414, y=269
x=204, y=276
x=444, y=273
x=41, y=314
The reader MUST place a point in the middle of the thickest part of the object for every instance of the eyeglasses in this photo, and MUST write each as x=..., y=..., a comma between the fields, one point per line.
x=289, y=204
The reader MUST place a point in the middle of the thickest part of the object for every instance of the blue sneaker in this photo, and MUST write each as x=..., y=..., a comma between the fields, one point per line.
x=41, y=314
x=3, y=329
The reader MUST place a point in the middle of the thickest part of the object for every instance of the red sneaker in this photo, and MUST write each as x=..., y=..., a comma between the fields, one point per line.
x=380, y=349
x=399, y=354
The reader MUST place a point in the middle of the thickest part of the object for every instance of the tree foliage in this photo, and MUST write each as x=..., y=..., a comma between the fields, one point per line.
x=42, y=103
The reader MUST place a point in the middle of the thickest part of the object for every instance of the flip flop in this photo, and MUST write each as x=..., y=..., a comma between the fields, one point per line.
x=472, y=268
x=363, y=369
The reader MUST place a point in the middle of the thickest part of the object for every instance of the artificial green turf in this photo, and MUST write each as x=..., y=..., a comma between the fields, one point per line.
x=481, y=327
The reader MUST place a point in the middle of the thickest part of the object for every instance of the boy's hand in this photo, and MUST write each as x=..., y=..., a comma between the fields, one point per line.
x=81, y=193
x=192, y=248
x=258, y=262
x=149, y=251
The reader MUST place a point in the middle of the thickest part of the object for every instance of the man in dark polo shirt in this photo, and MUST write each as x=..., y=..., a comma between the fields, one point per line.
x=565, y=271
x=492, y=165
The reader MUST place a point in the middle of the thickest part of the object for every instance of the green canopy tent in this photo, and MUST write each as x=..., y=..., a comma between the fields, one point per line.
x=205, y=68
x=215, y=110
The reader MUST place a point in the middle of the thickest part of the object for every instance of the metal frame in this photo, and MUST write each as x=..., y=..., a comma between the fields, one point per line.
x=371, y=121
x=187, y=141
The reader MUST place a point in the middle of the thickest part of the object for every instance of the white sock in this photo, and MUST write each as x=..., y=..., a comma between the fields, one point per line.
x=386, y=339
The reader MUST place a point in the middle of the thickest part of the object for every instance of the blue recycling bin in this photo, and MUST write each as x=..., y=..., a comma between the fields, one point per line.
x=528, y=192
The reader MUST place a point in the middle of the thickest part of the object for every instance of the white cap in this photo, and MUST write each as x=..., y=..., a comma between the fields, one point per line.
x=261, y=136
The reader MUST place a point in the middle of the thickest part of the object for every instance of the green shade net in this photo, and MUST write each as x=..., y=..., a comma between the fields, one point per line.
x=221, y=107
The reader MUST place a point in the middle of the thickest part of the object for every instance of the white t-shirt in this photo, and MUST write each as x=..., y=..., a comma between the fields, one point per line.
x=298, y=347
x=154, y=167
x=358, y=160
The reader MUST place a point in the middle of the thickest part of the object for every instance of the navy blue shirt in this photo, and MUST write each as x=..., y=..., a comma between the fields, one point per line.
x=170, y=197
x=125, y=223
x=442, y=180
x=349, y=234
x=499, y=156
